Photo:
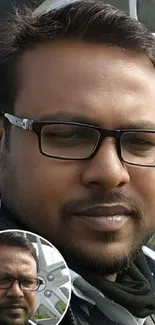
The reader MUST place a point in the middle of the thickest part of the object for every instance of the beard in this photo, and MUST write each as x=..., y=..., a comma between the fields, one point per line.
x=5, y=321
x=112, y=255
x=81, y=261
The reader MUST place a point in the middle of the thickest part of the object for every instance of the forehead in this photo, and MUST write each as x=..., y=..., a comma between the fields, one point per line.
x=16, y=261
x=91, y=79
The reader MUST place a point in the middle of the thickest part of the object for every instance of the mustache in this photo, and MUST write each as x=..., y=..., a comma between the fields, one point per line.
x=102, y=198
x=14, y=303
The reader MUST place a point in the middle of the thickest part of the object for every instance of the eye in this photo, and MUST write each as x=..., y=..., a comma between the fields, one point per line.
x=67, y=134
x=29, y=282
x=139, y=140
x=5, y=280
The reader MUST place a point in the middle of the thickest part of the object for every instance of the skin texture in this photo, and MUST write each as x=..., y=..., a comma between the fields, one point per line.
x=15, y=261
x=104, y=85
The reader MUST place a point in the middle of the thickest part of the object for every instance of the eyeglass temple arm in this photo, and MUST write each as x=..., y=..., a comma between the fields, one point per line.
x=17, y=121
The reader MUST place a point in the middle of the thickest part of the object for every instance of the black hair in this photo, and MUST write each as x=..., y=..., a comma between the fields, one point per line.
x=86, y=20
x=16, y=239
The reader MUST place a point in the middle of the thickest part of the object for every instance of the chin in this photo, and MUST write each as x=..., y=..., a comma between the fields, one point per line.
x=108, y=253
x=10, y=321
x=102, y=257
x=110, y=258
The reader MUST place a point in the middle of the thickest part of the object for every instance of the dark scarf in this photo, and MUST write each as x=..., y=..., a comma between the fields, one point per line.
x=134, y=290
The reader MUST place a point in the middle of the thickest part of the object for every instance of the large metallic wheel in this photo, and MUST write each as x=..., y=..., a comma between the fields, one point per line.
x=54, y=293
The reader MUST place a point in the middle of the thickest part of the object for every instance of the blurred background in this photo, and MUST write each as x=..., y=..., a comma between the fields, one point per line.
x=6, y=6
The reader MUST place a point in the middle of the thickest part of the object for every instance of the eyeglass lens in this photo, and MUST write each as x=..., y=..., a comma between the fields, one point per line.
x=79, y=142
x=26, y=283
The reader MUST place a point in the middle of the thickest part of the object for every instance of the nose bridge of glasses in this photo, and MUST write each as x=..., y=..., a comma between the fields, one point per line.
x=105, y=133
x=15, y=282
x=109, y=133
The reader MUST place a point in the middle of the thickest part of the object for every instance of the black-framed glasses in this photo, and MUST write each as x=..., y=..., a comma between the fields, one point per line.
x=25, y=282
x=79, y=141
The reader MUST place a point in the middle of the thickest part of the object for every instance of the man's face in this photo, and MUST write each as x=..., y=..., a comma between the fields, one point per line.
x=104, y=86
x=16, y=305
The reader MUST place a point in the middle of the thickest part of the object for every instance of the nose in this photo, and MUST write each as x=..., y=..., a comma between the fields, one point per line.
x=105, y=168
x=15, y=291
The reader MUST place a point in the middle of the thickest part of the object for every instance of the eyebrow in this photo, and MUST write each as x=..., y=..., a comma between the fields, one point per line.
x=6, y=274
x=70, y=117
x=139, y=125
x=9, y=274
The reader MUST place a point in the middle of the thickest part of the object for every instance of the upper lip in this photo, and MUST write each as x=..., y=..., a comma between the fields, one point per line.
x=14, y=306
x=105, y=210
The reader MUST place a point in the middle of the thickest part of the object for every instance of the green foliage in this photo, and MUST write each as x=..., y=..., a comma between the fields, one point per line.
x=60, y=306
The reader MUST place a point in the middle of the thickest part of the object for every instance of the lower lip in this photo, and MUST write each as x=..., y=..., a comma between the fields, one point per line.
x=15, y=311
x=112, y=223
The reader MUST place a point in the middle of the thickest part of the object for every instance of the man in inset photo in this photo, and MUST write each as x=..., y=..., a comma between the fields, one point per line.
x=19, y=282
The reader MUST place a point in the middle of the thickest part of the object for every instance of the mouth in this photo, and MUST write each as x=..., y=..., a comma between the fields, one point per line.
x=15, y=309
x=106, y=217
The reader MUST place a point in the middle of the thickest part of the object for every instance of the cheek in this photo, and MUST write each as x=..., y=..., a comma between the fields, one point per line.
x=41, y=175
x=143, y=183
x=31, y=298
x=143, y=180
x=51, y=178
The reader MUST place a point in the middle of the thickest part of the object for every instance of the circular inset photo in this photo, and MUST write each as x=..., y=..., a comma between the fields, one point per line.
x=35, y=284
